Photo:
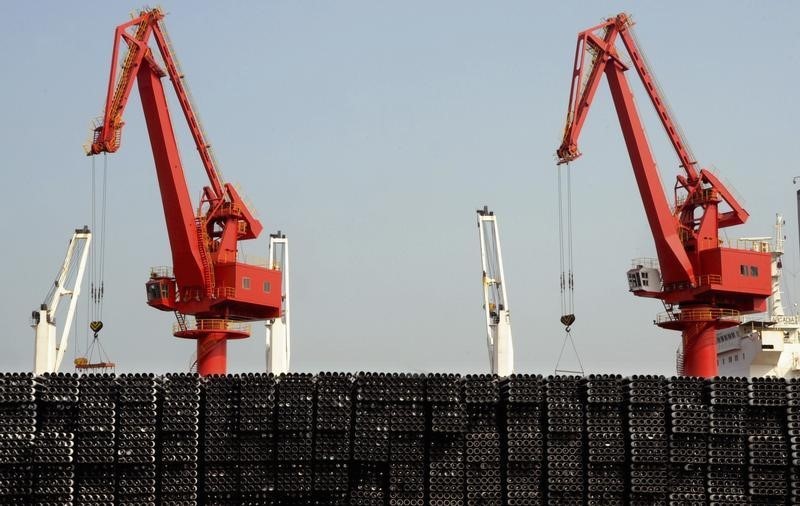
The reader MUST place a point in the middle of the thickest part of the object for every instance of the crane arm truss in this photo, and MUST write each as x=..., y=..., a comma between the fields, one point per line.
x=279, y=329
x=197, y=241
x=495, y=299
x=49, y=353
x=677, y=232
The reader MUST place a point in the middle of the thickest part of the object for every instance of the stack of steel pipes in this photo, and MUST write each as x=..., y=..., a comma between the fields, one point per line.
x=483, y=479
x=370, y=476
x=565, y=442
x=178, y=441
x=523, y=398
x=688, y=441
x=793, y=424
x=398, y=439
x=17, y=429
x=220, y=447
x=767, y=444
x=137, y=413
x=95, y=440
x=256, y=426
x=54, y=440
x=605, y=432
x=406, y=439
x=294, y=444
x=332, y=437
x=648, y=444
x=727, y=471
x=447, y=443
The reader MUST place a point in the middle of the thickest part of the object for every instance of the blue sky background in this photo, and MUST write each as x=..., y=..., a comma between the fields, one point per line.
x=370, y=132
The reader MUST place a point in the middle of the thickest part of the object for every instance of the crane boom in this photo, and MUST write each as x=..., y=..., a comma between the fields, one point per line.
x=49, y=352
x=206, y=280
x=495, y=299
x=708, y=283
x=279, y=329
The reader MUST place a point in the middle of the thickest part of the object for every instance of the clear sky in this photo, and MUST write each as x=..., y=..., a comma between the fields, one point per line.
x=369, y=132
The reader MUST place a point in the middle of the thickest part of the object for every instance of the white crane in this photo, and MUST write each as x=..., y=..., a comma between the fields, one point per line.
x=48, y=353
x=278, y=329
x=495, y=298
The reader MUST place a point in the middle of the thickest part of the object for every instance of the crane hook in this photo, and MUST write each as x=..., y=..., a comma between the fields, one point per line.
x=567, y=320
x=96, y=327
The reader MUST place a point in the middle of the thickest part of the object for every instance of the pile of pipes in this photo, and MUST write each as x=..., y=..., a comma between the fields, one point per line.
x=398, y=439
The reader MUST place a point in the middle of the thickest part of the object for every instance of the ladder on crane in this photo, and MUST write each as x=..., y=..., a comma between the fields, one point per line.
x=278, y=337
x=495, y=298
x=49, y=353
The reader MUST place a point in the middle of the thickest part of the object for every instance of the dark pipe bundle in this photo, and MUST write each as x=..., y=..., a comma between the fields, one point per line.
x=398, y=439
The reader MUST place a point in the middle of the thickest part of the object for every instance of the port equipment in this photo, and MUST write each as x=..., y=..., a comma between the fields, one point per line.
x=48, y=353
x=207, y=279
x=279, y=329
x=495, y=298
x=705, y=285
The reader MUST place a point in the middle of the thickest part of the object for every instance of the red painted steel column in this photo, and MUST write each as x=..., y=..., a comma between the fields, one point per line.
x=212, y=354
x=700, y=350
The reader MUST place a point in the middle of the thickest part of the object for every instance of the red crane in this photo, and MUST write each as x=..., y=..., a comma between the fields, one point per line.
x=207, y=279
x=705, y=286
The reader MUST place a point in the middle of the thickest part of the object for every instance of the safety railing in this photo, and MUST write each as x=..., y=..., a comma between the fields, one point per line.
x=709, y=279
x=231, y=257
x=224, y=292
x=758, y=245
x=650, y=263
x=212, y=324
x=698, y=197
x=161, y=271
x=699, y=315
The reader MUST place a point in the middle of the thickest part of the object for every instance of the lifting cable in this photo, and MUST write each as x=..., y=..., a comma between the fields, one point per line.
x=567, y=276
x=97, y=266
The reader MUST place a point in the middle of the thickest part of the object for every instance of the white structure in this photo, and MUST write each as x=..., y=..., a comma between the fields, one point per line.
x=644, y=276
x=278, y=329
x=495, y=299
x=767, y=347
x=48, y=353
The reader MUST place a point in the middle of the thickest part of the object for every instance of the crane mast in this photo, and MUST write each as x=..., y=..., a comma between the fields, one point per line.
x=48, y=351
x=206, y=280
x=495, y=298
x=704, y=284
x=279, y=329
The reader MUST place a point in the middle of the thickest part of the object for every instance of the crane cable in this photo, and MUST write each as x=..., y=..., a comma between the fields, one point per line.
x=97, y=263
x=567, y=277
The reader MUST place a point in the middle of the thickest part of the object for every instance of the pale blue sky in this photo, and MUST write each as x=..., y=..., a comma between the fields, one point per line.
x=370, y=132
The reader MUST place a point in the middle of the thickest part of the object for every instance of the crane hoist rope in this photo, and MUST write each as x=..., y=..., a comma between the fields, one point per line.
x=97, y=270
x=93, y=346
x=567, y=278
x=567, y=275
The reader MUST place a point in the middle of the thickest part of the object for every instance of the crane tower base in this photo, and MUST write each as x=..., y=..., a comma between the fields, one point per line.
x=212, y=343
